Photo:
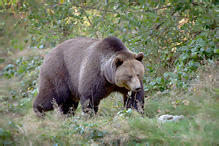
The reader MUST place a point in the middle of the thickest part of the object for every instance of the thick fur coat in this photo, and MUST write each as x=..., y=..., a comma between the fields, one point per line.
x=87, y=70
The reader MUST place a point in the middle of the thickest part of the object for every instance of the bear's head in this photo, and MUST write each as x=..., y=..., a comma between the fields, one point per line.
x=126, y=70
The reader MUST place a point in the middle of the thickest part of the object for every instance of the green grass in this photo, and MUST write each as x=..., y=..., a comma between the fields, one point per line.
x=113, y=125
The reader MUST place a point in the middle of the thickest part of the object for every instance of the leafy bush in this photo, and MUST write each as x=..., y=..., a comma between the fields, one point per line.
x=175, y=38
x=22, y=66
x=5, y=137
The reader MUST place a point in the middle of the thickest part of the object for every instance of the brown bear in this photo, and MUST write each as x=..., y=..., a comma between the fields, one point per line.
x=88, y=70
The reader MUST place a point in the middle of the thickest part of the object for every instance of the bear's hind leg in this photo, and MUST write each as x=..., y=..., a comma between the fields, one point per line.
x=69, y=106
x=41, y=106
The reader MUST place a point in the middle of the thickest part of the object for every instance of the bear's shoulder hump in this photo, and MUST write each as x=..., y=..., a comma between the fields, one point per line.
x=113, y=44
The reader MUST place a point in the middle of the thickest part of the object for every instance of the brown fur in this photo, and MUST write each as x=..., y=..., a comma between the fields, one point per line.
x=88, y=70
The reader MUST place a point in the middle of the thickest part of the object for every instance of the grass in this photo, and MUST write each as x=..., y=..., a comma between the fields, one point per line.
x=113, y=125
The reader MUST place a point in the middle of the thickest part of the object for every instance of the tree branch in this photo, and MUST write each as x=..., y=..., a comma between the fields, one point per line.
x=157, y=25
x=92, y=26
x=94, y=7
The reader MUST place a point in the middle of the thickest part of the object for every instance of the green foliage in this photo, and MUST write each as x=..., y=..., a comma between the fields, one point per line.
x=5, y=137
x=126, y=113
x=22, y=66
x=27, y=70
x=8, y=71
x=188, y=58
x=51, y=21
x=175, y=40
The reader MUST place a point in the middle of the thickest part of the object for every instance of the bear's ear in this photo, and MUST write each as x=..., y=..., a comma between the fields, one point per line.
x=118, y=61
x=139, y=56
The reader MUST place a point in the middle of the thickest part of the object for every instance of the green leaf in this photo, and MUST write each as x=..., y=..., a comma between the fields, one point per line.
x=166, y=74
x=191, y=42
x=150, y=69
x=4, y=133
x=216, y=51
x=209, y=50
x=194, y=55
x=152, y=83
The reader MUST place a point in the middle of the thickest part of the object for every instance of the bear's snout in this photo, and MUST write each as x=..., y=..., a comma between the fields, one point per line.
x=137, y=89
x=135, y=84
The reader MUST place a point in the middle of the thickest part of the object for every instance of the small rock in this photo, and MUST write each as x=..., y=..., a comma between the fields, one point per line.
x=167, y=118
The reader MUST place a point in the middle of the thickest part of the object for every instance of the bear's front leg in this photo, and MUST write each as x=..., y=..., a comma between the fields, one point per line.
x=135, y=100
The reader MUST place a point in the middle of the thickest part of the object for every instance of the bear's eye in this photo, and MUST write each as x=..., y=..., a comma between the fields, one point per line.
x=129, y=77
x=138, y=75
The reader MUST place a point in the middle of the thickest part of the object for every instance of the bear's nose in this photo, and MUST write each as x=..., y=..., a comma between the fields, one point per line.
x=137, y=89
